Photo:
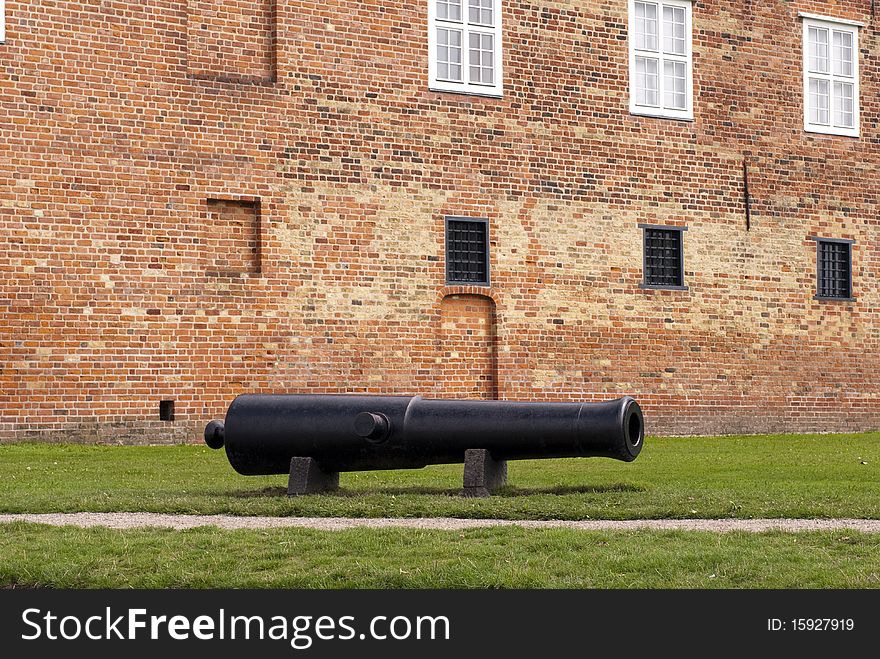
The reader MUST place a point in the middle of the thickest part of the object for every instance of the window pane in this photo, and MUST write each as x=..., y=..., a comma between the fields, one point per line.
x=843, y=105
x=817, y=49
x=674, y=30
x=646, y=26
x=647, y=81
x=817, y=100
x=482, y=58
x=449, y=10
x=842, y=53
x=481, y=12
x=674, y=97
x=449, y=54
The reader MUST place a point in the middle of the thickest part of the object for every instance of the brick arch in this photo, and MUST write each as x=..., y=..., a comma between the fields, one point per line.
x=479, y=291
x=467, y=345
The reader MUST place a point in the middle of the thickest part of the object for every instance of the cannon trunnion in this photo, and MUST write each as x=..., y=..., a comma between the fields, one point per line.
x=314, y=437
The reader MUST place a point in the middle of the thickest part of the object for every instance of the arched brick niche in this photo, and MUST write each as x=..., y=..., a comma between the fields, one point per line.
x=468, y=345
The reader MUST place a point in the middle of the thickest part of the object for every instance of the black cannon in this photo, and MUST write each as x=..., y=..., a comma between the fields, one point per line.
x=314, y=437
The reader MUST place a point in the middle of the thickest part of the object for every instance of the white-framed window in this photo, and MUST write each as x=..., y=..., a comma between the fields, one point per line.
x=661, y=58
x=2, y=21
x=831, y=76
x=464, y=45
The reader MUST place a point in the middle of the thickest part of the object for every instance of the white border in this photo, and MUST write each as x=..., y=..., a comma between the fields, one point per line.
x=662, y=113
x=493, y=91
x=2, y=21
x=840, y=25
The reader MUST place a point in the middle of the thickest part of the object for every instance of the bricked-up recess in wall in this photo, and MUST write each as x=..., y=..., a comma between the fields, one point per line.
x=232, y=40
x=231, y=241
x=468, y=335
x=111, y=297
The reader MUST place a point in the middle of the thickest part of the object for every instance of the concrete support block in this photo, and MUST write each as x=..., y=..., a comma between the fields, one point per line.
x=307, y=477
x=482, y=474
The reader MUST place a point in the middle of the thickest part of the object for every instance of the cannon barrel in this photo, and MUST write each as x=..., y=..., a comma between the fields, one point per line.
x=263, y=433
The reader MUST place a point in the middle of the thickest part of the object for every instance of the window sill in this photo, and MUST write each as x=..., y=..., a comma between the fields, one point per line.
x=482, y=284
x=466, y=92
x=822, y=298
x=646, y=287
x=660, y=115
x=840, y=132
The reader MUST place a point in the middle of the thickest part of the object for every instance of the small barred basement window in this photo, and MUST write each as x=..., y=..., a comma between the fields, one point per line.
x=664, y=257
x=834, y=269
x=467, y=251
x=166, y=410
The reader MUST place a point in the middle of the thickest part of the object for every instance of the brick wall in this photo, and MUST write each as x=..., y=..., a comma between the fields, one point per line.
x=119, y=123
x=467, y=362
x=231, y=243
x=232, y=40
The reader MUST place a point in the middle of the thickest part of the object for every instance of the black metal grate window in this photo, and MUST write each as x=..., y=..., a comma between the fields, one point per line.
x=467, y=251
x=835, y=269
x=166, y=410
x=663, y=257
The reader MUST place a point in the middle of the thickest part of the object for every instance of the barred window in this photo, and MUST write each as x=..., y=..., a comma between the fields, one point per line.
x=663, y=257
x=467, y=251
x=834, y=269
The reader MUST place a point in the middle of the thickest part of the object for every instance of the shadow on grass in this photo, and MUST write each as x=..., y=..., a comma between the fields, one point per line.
x=507, y=491
x=562, y=490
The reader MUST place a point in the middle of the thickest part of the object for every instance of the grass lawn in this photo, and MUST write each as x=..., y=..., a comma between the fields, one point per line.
x=485, y=558
x=742, y=477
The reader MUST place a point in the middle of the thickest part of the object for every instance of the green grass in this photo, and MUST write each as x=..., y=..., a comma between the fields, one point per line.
x=744, y=477
x=729, y=477
x=39, y=556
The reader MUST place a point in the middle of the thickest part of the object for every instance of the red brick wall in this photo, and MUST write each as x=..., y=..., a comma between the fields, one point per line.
x=118, y=123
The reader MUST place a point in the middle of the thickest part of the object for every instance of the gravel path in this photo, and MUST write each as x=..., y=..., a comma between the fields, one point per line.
x=143, y=520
